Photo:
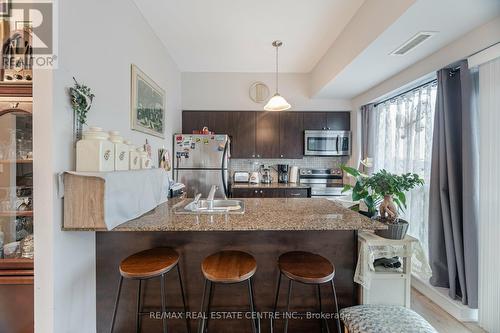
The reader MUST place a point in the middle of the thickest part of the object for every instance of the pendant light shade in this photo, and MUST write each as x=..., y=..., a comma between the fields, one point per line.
x=277, y=102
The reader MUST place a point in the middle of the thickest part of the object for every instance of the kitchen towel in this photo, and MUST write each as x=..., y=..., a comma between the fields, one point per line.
x=128, y=194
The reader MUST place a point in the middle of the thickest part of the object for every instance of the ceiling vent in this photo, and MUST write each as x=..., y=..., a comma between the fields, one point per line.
x=413, y=42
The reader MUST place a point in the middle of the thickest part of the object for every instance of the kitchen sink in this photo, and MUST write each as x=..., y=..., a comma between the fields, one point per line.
x=218, y=207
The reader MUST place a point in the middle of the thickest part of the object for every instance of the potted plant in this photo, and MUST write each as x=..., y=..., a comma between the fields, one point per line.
x=81, y=102
x=386, y=191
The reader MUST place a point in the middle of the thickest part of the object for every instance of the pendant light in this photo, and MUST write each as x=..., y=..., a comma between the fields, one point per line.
x=277, y=102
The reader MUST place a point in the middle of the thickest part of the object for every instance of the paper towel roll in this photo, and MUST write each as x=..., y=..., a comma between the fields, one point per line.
x=294, y=174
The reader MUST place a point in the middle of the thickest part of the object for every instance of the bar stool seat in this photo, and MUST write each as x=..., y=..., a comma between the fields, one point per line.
x=229, y=267
x=145, y=265
x=149, y=263
x=306, y=267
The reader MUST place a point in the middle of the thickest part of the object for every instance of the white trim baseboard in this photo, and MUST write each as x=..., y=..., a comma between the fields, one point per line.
x=440, y=297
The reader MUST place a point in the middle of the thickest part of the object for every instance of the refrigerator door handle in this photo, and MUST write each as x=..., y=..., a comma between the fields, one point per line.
x=223, y=169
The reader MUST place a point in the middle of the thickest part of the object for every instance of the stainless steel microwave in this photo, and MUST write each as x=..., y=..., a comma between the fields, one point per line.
x=327, y=143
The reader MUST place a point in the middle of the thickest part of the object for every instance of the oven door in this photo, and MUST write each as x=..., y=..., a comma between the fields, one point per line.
x=327, y=143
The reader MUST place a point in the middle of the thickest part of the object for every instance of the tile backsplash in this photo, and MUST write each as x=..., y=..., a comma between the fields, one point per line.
x=306, y=162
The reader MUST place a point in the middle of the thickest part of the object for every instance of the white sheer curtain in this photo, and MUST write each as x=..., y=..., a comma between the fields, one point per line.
x=401, y=134
x=489, y=196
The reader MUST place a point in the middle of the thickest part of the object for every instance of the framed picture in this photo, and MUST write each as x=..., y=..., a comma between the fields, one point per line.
x=5, y=8
x=147, y=104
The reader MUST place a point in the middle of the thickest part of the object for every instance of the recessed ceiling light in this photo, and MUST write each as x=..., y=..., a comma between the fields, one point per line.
x=413, y=42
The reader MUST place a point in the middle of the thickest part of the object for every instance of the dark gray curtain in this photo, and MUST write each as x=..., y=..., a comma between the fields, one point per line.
x=453, y=207
x=366, y=126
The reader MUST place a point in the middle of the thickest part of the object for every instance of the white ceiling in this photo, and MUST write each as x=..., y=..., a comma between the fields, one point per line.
x=236, y=35
x=450, y=18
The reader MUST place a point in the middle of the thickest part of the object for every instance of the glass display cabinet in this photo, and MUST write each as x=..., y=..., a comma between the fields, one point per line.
x=16, y=209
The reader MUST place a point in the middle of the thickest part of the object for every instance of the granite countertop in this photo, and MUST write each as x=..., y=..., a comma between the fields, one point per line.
x=279, y=214
x=272, y=185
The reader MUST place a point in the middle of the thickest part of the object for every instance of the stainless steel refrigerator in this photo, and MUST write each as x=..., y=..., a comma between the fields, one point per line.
x=201, y=161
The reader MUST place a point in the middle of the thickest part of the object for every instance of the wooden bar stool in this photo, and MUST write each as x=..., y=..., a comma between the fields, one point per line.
x=227, y=267
x=306, y=268
x=146, y=265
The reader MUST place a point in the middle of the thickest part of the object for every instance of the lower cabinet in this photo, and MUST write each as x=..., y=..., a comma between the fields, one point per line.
x=270, y=193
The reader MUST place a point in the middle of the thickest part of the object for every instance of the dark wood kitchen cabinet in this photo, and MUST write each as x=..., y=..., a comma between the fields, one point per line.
x=220, y=122
x=194, y=120
x=262, y=192
x=336, y=121
x=259, y=134
x=297, y=193
x=291, y=135
x=314, y=120
x=242, y=133
x=258, y=193
x=216, y=121
x=267, y=135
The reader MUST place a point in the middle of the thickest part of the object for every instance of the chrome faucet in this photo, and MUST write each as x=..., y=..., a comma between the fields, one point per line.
x=210, y=197
x=197, y=199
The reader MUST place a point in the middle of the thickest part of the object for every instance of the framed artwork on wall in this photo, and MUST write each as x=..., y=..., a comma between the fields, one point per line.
x=147, y=104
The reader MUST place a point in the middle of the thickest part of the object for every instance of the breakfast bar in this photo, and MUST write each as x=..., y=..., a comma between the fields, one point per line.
x=268, y=228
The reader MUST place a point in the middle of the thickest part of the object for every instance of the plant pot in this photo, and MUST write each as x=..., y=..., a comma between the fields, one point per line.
x=395, y=231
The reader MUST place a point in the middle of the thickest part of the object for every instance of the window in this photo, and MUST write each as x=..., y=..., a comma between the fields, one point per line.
x=401, y=134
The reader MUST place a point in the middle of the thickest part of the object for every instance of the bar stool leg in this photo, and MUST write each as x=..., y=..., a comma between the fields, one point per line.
x=138, y=316
x=183, y=299
x=210, y=298
x=252, y=306
x=337, y=318
x=201, y=324
x=320, y=308
x=276, y=302
x=117, y=300
x=163, y=306
x=288, y=304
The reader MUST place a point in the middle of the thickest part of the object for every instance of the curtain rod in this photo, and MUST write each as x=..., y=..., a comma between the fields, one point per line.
x=407, y=91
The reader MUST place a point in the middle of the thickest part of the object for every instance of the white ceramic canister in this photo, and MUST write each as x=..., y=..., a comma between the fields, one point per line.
x=95, y=153
x=145, y=160
x=134, y=157
x=122, y=154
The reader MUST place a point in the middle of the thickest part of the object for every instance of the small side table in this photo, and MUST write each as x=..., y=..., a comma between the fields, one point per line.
x=381, y=285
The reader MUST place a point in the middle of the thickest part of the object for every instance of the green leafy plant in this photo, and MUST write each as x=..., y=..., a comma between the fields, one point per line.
x=81, y=100
x=381, y=189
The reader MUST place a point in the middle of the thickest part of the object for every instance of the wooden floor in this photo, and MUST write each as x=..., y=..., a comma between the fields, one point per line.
x=440, y=319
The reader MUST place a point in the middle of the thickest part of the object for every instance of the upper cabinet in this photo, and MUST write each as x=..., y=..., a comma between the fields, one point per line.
x=314, y=120
x=242, y=133
x=337, y=121
x=259, y=134
x=291, y=133
x=267, y=134
x=194, y=120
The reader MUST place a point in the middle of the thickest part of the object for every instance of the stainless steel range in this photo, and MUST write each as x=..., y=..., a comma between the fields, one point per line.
x=323, y=182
